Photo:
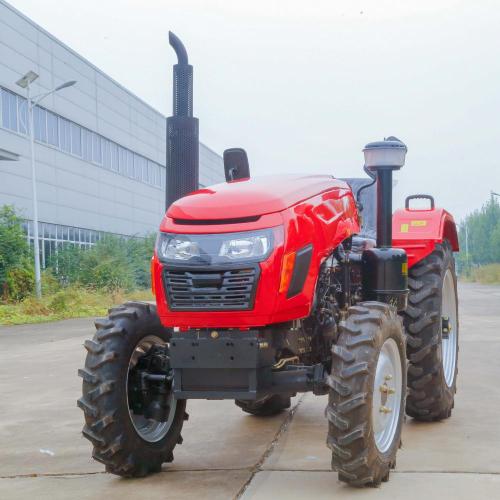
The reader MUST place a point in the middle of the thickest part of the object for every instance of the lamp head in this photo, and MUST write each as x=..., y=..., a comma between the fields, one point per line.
x=28, y=78
x=65, y=85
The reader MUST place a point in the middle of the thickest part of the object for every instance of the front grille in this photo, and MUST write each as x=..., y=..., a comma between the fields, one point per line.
x=210, y=290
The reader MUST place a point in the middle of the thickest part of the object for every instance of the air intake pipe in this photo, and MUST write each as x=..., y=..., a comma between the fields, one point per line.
x=182, y=160
x=381, y=158
x=385, y=269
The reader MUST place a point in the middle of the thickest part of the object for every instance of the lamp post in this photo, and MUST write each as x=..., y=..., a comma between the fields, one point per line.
x=25, y=82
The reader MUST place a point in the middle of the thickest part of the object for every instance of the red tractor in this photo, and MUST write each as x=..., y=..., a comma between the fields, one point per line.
x=266, y=287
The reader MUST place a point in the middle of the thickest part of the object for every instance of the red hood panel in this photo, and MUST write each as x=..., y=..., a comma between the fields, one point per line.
x=251, y=197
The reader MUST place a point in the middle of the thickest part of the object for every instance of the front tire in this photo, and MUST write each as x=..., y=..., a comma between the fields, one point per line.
x=367, y=394
x=432, y=355
x=128, y=444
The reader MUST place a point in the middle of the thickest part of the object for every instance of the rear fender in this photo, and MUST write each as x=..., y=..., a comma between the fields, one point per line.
x=418, y=231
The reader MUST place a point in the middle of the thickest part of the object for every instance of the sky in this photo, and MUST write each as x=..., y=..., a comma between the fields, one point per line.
x=303, y=86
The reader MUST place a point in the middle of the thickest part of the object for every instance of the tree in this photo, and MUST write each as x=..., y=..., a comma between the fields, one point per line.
x=483, y=228
x=16, y=264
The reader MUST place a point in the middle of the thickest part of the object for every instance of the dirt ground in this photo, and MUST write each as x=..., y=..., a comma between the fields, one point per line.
x=228, y=454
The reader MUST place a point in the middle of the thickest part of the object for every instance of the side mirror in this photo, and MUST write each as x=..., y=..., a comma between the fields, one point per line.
x=236, y=164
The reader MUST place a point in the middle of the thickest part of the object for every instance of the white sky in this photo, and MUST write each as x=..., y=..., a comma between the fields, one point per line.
x=302, y=86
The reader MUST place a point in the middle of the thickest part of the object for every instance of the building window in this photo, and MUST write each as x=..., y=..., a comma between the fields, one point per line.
x=22, y=113
x=106, y=153
x=9, y=110
x=139, y=162
x=52, y=129
x=122, y=160
x=86, y=144
x=76, y=139
x=40, y=124
x=96, y=149
x=114, y=157
x=64, y=135
x=130, y=164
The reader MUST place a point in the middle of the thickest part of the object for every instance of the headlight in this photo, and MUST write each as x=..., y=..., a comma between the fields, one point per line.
x=245, y=248
x=179, y=249
x=251, y=246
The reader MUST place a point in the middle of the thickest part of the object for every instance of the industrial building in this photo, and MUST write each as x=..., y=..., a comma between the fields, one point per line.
x=100, y=150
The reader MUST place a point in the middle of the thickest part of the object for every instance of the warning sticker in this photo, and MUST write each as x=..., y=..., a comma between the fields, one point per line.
x=418, y=223
x=404, y=228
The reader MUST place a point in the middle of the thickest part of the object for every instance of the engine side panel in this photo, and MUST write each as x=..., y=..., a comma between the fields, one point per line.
x=418, y=231
x=322, y=221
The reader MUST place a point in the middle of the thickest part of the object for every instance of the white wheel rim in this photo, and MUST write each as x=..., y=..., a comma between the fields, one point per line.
x=387, y=395
x=449, y=344
x=150, y=430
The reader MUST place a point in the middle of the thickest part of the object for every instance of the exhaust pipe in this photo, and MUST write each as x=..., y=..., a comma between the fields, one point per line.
x=182, y=176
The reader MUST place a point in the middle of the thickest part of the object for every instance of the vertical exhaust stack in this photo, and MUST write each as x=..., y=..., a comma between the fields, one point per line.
x=182, y=130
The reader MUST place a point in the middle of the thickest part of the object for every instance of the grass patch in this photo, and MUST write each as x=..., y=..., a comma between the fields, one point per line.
x=487, y=275
x=71, y=302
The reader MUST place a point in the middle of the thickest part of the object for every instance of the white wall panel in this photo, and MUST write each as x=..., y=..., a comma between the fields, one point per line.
x=71, y=191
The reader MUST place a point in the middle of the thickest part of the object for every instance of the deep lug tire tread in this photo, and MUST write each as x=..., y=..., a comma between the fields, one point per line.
x=108, y=427
x=350, y=433
x=429, y=398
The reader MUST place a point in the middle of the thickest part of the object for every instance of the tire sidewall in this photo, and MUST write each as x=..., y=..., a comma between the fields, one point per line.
x=393, y=330
x=448, y=391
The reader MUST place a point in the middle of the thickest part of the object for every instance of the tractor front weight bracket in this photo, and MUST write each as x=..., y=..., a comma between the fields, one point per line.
x=235, y=364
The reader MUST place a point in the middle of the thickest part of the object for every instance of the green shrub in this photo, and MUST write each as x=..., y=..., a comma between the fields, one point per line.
x=16, y=263
x=480, y=234
x=19, y=281
x=113, y=263
x=139, y=253
x=66, y=264
x=106, y=266
x=50, y=282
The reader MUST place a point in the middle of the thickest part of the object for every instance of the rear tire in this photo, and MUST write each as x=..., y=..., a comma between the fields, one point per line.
x=432, y=370
x=367, y=394
x=270, y=406
x=121, y=443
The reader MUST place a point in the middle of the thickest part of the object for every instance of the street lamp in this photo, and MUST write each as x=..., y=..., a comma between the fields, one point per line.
x=25, y=82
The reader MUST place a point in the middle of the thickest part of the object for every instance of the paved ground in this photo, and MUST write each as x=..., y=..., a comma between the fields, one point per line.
x=228, y=454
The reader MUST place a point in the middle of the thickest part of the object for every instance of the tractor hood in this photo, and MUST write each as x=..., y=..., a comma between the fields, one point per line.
x=251, y=197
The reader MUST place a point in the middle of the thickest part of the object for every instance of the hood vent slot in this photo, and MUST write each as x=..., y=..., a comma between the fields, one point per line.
x=212, y=222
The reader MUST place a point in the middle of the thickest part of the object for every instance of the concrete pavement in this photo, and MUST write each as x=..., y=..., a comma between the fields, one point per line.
x=227, y=453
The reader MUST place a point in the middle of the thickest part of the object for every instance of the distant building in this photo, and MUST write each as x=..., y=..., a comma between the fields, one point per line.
x=100, y=150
